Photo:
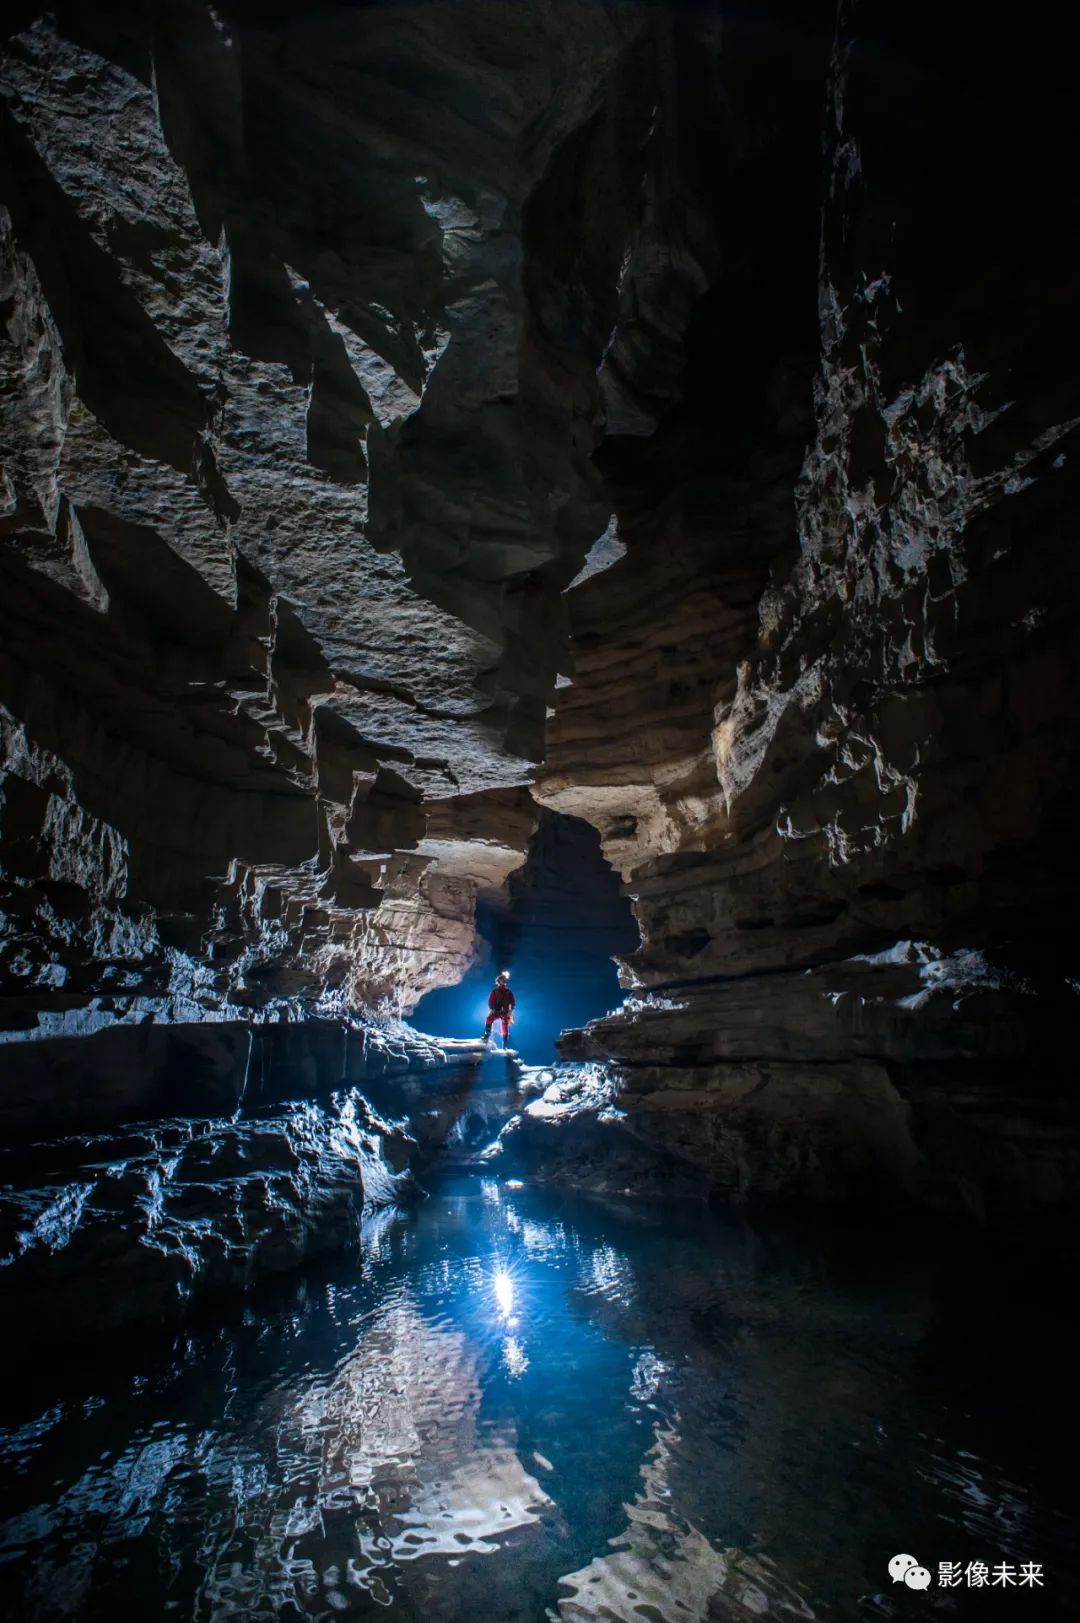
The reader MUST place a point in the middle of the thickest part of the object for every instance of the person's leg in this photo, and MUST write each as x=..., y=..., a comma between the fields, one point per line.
x=506, y=1029
x=488, y=1026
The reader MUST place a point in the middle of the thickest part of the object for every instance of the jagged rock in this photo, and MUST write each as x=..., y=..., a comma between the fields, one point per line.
x=577, y=1132
x=822, y=708
x=172, y=1209
x=298, y=418
x=456, y=1112
x=170, y=1212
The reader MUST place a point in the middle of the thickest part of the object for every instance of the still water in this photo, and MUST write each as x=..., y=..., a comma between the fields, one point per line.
x=526, y=1406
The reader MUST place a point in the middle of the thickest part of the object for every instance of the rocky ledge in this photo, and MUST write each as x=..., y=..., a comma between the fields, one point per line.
x=133, y=1226
x=898, y=1079
x=842, y=1133
x=178, y=1209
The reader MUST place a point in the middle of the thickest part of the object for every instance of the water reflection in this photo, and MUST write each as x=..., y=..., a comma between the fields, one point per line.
x=529, y=1409
x=663, y=1567
x=504, y=1292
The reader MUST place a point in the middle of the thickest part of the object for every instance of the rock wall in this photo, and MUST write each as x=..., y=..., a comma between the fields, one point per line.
x=844, y=675
x=298, y=412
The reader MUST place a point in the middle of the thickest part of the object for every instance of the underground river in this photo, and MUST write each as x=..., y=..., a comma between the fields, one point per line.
x=526, y=1406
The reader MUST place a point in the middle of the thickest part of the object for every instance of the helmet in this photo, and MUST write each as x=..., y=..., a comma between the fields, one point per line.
x=503, y=975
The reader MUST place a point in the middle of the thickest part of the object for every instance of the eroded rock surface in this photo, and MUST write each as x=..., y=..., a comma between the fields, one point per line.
x=176, y=1208
x=823, y=703
x=299, y=402
x=170, y=1211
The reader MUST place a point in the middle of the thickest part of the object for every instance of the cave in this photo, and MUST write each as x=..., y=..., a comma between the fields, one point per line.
x=561, y=928
x=578, y=488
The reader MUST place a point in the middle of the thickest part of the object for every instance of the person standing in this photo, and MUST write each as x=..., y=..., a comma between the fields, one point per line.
x=501, y=1005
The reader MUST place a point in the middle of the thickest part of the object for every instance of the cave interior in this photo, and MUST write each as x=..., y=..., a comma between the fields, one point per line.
x=579, y=488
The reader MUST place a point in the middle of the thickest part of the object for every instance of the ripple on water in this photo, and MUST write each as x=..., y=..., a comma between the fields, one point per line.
x=527, y=1410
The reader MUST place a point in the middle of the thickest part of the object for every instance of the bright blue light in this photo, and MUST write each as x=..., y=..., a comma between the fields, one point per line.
x=551, y=996
x=556, y=941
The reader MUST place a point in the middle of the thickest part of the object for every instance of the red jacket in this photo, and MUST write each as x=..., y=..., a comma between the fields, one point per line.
x=502, y=1001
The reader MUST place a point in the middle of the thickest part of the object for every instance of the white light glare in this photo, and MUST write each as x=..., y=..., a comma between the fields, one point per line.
x=504, y=1290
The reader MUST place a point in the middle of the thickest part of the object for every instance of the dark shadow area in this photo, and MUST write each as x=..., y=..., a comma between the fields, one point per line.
x=565, y=922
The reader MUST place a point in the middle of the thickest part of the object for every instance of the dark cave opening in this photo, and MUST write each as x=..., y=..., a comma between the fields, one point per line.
x=564, y=923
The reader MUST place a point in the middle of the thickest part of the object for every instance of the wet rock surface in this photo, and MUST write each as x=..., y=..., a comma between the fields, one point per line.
x=136, y=1223
x=455, y=1113
x=573, y=1130
x=132, y=1227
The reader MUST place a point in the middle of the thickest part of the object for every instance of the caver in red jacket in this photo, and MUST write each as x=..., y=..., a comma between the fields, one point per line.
x=502, y=1004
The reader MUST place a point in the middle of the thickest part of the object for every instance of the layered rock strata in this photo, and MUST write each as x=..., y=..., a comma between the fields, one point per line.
x=137, y=1069
x=171, y=1212
x=831, y=744
x=298, y=405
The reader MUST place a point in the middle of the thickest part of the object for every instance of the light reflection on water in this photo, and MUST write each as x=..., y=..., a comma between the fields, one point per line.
x=528, y=1407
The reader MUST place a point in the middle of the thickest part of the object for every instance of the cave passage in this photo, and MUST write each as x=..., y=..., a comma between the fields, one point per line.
x=414, y=417
x=564, y=922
